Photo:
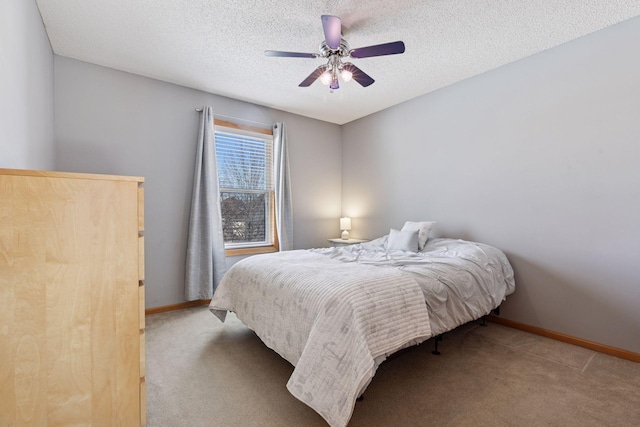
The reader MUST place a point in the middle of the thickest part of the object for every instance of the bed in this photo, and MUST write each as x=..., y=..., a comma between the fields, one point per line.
x=337, y=313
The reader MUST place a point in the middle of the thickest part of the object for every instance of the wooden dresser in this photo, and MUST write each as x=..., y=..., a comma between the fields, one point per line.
x=71, y=299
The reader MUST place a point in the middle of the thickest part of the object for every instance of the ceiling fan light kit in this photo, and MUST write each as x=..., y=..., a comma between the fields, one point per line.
x=334, y=48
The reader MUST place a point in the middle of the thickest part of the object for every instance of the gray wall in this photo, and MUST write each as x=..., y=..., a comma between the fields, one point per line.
x=113, y=122
x=540, y=158
x=26, y=88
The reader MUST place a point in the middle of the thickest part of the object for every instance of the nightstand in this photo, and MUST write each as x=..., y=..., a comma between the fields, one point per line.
x=334, y=243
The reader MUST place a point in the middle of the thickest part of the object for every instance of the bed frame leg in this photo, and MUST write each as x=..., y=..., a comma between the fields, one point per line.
x=483, y=322
x=435, y=342
x=495, y=311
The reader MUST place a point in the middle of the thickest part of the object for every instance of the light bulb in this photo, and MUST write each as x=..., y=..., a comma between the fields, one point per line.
x=346, y=75
x=325, y=77
x=334, y=84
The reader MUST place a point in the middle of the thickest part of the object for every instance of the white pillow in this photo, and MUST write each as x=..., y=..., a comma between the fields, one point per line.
x=423, y=228
x=403, y=241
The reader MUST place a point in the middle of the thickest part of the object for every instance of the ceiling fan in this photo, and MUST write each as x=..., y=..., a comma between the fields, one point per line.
x=334, y=48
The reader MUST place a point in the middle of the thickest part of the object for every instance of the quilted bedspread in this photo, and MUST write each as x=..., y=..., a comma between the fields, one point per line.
x=334, y=321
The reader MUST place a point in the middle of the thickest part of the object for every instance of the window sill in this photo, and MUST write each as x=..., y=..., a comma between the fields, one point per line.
x=251, y=251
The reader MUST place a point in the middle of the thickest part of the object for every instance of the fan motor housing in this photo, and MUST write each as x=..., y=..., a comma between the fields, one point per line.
x=342, y=51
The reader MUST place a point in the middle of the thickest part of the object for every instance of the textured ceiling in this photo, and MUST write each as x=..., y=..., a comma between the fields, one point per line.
x=217, y=45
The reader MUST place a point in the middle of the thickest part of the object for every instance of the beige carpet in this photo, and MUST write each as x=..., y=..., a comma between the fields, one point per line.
x=201, y=372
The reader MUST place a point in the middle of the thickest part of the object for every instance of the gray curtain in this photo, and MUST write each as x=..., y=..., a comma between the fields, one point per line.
x=206, y=262
x=282, y=187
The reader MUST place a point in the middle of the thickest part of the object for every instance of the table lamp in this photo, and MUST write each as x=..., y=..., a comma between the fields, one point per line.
x=345, y=226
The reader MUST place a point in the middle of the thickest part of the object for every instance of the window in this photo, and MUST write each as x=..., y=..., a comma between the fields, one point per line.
x=245, y=169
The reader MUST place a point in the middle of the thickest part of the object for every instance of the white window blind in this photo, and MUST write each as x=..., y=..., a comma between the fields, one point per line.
x=245, y=176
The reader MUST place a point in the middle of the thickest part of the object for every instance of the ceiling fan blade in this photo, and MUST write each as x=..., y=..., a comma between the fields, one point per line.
x=290, y=54
x=358, y=75
x=332, y=26
x=313, y=76
x=392, y=48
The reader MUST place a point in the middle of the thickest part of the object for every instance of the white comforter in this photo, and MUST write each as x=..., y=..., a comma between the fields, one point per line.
x=336, y=313
x=461, y=280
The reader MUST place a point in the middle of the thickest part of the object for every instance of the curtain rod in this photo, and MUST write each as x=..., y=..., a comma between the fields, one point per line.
x=267, y=125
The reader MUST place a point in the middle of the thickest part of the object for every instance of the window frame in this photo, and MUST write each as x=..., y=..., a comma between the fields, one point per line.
x=262, y=247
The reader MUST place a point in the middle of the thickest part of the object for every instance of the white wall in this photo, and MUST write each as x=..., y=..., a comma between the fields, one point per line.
x=540, y=158
x=113, y=122
x=26, y=88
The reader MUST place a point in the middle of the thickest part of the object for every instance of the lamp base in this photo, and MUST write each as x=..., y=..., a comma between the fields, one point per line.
x=345, y=235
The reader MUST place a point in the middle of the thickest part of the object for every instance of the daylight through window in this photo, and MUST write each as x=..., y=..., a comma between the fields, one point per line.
x=245, y=165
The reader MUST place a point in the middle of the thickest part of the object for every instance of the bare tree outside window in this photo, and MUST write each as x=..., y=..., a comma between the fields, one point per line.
x=243, y=217
x=244, y=173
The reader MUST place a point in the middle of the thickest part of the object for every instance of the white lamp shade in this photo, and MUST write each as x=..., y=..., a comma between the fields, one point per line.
x=326, y=77
x=345, y=223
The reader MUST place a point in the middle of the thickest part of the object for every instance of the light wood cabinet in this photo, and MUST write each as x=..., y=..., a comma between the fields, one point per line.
x=71, y=299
